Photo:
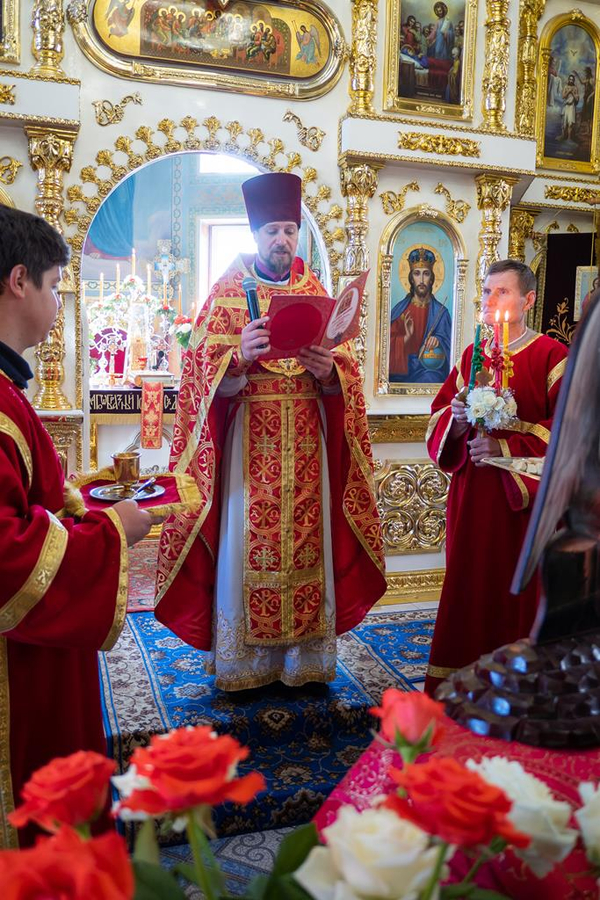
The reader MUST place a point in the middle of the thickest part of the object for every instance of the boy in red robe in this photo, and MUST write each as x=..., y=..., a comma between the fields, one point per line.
x=488, y=509
x=63, y=584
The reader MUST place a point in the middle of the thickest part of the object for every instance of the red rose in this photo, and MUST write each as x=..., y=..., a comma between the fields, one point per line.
x=70, y=790
x=187, y=768
x=410, y=715
x=66, y=867
x=448, y=800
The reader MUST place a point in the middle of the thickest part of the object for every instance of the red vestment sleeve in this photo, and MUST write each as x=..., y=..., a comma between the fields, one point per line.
x=448, y=452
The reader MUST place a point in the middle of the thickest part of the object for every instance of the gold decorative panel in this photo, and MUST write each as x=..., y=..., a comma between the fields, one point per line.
x=421, y=586
x=397, y=429
x=10, y=46
x=411, y=496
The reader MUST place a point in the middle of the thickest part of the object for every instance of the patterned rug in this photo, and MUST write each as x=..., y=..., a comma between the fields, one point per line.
x=302, y=739
x=142, y=571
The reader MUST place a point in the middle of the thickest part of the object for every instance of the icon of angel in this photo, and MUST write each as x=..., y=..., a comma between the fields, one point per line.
x=119, y=16
x=309, y=43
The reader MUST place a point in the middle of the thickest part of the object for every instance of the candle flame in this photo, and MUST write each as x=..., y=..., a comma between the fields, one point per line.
x=497, y=316
x=506, y=316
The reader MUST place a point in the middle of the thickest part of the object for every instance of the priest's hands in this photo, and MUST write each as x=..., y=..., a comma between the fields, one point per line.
x=318, y=361
x=136, y=522
x=483, y=447
x=460, y=424
x=255, y=339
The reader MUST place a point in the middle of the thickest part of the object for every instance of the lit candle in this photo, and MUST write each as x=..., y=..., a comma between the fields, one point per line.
x=497, y=329
x=118, y=278
x=506, y=353
x=133, y=261
x=148, y=281
x=179, y=300
x=474, y=361
x=165, y=301
x=505, y=333
x=101, y=286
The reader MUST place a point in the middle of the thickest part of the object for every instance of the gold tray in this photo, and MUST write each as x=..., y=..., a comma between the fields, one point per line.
x=530, y=466
x=112, y=493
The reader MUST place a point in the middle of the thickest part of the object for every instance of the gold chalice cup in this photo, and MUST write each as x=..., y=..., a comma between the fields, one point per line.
x=127, y=470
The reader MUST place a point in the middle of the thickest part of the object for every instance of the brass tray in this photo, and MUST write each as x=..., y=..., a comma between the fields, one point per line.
x=530, y=466
x=112, y=493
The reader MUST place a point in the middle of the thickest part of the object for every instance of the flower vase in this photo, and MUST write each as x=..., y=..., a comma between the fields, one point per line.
x=138, y=339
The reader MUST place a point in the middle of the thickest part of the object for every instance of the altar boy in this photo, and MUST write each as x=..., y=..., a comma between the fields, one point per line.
x=63, y=572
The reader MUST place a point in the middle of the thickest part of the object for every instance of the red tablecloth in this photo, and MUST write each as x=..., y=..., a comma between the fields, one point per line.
x=562, y=772
x=181, y=492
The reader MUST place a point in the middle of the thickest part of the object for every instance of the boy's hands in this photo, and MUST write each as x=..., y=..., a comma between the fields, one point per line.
x=136, y=522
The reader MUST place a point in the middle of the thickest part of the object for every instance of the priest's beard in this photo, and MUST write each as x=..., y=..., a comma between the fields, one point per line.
x=279, y=260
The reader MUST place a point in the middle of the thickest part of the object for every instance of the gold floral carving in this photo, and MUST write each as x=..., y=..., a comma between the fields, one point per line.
x=48, y=25
x=495, y=70
x=362, y=56
x=358, y=184
x=571, y=194
x=393, y=202
x=572, y=228
x=456, y=209
x=493, y=197
x=559, y=326
x=530, y=12
x=108, y=113
x=309, y=136
x=63, y=435
x=521, y=230
x=51, y=155
x=10, y=47
x=412, y=587
x=411, y=496
x=7, y=94
x=397, y=429
x=8, y=169
x=438, y=143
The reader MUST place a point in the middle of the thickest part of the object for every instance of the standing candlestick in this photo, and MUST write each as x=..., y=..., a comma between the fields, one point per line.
x=133, y=261
x=476, y=360
x=148, y=281
x=118, y=279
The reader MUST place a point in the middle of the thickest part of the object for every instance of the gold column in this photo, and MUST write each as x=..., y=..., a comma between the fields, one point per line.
x=493, y=197
x=63, y=434
x=362, y=56
x=529, y=16
x=359, y=184
x=495, y=71
x=48, y=25
x=51, y=155
x=521, y=229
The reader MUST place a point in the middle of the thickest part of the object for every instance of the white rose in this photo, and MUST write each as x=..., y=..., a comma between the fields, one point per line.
x=185, y=327
x=535, y=812
x=369, y=854
x=588, y=818
x=489, y=399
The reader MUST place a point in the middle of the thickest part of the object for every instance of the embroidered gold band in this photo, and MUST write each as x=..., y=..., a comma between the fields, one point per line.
x=8, y=835
x=557, y=372
x=40, y=578
x=440, y=671
x=7, y=426
x=121, y=602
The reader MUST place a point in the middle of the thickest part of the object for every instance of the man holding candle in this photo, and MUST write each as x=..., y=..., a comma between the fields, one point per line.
x=488, y=509
x=286, y=551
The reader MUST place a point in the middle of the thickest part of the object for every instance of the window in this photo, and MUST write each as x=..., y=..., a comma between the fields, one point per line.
x=220, y=242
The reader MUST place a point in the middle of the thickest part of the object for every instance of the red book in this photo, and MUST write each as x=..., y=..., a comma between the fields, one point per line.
x=303, y=320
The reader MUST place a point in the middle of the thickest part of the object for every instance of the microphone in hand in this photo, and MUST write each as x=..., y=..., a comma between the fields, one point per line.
x=249, y=286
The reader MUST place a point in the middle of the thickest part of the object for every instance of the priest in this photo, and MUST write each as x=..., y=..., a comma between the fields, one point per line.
x=286, y=552
x=488, y=509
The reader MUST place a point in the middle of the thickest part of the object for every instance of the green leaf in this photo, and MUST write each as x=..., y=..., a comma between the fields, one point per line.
x=287, y=888
x=146, y=845
x=485, y=894
x=153, y=883
x=294, y=849
x=187, y=871
x=457, y=891
x=257, y=887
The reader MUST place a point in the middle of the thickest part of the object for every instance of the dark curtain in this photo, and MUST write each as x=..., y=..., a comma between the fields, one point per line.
x=565, y=253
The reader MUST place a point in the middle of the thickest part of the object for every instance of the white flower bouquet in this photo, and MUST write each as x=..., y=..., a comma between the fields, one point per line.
x=491, y=409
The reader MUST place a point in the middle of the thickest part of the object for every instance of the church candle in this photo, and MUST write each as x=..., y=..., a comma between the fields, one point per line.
x=118, y=279
x=497, y=328
x=133, y=261
x=505, y=350
x=179, y=301
x=476, y=346
x=148, y=281
x=101, y=286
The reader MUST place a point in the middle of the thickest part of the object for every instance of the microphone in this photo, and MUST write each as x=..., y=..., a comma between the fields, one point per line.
x=249, y=285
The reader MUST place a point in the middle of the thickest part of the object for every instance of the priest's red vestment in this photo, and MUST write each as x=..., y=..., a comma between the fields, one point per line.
x=63, y=597
x=488, y=512
x=283, y=542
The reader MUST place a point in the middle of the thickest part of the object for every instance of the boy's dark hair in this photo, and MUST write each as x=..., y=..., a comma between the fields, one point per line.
x=29, y=241
x=527, y=280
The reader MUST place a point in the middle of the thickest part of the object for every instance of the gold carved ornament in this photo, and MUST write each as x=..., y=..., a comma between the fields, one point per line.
x=10, y=46
x=456, y=209
x=48, y=26
x=7, y=94
x=358, y=184
x=63, y=435
x=310, y=137
x=495, y=70
x=8, y=169
x=413, y=587
x=411, y=497
x=108, y=113
x=493, y=197
x=530, y=12
x=363, y=54
x=438, y=143
x=398, y=429
x=51, y=155
x=571, y=194
x=393, y=202
x=559, y=326
x=521, y=230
